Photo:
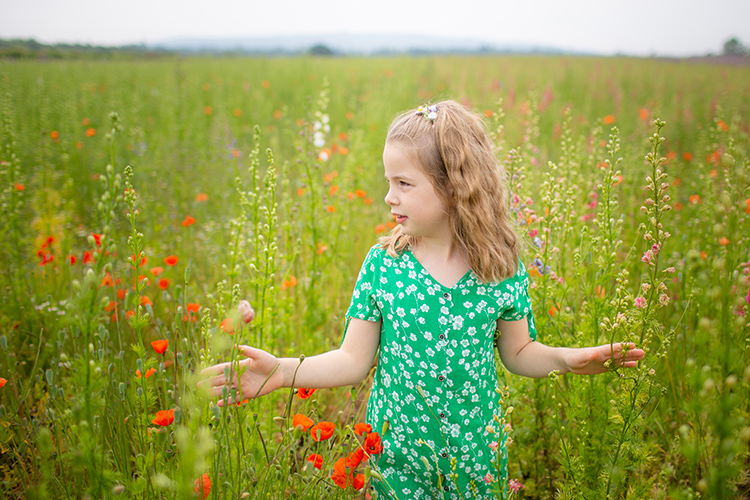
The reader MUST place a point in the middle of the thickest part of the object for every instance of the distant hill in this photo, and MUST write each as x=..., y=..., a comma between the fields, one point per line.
x=346, y=44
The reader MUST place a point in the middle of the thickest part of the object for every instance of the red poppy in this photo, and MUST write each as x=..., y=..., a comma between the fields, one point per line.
x=203, y=486
x=362, y=429
x=289, y=283
x=156, y=271
x=149, y=372
x=305, y=393
x=302, y=421
x=359, y=481
x=97, y=239
x=72, y=259
x=134, y=259
x=107, y=281
x=201, y=197
x=171, y=260
x=188, y=221
x=609, y=120
x=355, y=458
x=163, y=283
x=228, y=325
x=317, y=460
x=372, y=444
x=88, y=258
x=145, y=301
x=19, y=187
x=160, y=346
x=3, y=382
x=340, y=476
x=322, y=431
x=164, y=417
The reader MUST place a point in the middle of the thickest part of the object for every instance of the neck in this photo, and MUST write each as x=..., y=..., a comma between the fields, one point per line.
x=438, y=249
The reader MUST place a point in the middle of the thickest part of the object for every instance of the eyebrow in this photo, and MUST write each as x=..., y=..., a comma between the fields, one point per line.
x=400, y=177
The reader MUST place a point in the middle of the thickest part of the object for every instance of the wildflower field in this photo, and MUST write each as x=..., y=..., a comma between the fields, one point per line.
x=142, y=200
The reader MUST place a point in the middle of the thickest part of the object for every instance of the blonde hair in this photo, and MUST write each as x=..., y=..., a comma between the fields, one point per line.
x=456, y=154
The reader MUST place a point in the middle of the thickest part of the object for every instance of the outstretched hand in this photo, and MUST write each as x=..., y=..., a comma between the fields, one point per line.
x=592, y=360
x=256, y=375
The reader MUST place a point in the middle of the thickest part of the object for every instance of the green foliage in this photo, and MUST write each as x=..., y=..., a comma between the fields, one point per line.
x=262, y=178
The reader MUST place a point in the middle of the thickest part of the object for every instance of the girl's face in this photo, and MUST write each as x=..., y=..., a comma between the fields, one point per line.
x=413, y=200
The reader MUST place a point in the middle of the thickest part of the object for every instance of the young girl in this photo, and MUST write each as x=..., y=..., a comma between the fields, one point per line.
x=429, y=299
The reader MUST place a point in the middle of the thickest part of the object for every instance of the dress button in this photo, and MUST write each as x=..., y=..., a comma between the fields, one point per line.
x=446, y=295
x=442, y=415
x=442, y=336
x=444, y=454
x=441, y=378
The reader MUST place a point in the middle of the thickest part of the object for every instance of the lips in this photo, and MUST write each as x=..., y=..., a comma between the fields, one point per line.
x=399, y=218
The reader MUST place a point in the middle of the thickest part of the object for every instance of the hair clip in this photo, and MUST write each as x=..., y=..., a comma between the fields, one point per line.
x=429, y=112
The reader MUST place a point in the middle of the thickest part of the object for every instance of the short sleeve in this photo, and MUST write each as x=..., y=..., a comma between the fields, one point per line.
x=520, y=306
x=364, y=302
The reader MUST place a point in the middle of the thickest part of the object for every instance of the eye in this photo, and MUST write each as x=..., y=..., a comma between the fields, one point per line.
x=403, y=183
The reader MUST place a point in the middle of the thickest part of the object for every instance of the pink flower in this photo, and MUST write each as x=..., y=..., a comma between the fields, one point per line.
x=640, y=302
x=747, y=298
x=655, y=248
x=487, y=478
x=533, y=233
x=515, y=485
x=493, y=446
x=647, y=256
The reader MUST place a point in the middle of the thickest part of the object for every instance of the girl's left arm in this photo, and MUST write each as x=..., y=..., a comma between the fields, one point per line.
x=529, y=358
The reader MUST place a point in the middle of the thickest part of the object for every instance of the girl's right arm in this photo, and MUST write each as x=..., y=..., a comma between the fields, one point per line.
x=261, y=372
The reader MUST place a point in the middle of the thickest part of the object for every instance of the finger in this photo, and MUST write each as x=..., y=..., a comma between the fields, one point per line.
x=251, y=353
x=215, y=369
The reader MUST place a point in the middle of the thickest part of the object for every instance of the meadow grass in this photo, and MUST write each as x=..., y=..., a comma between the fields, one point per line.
x=142, y=200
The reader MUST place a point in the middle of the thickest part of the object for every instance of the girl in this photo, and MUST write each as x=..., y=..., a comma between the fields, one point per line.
x=430, y=298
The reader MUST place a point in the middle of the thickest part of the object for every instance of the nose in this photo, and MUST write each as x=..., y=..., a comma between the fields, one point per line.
x=390, y=199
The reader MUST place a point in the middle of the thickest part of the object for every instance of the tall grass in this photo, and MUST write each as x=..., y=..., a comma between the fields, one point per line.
x=142, y=200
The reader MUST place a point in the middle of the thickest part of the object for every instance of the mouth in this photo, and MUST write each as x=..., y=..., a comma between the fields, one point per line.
x=399, y=218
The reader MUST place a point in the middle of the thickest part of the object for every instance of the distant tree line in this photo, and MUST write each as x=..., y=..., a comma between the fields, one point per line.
x=733, y=47
x=31, y=49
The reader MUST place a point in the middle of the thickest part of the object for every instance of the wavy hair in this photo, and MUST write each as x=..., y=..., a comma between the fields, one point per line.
x=456, y=154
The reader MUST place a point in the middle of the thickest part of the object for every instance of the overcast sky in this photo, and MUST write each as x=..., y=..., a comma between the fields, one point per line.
x=636, y=27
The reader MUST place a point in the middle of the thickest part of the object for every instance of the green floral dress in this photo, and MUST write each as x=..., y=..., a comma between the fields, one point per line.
x=435, y=383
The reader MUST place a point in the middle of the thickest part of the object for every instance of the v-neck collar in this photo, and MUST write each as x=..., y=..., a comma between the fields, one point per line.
x=463, y=278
